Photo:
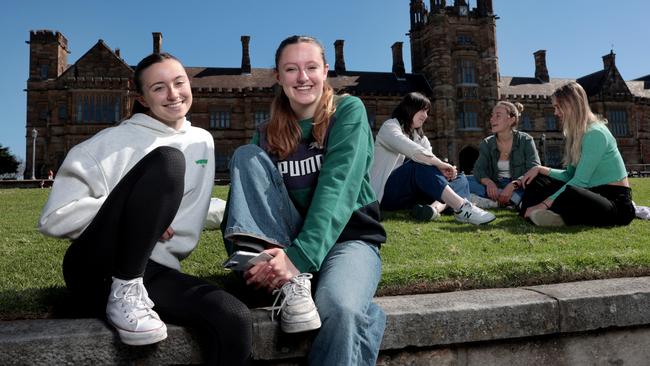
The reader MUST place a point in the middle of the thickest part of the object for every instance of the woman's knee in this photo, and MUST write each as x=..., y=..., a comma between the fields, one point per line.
x=245, y=153
x=167, y=162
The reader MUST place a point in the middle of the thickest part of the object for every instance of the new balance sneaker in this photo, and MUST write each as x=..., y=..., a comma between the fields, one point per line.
x=424, y=213
x=129, y=310
x=471, y=214
x=299, y=313
x=482, y=202
x=546, y=218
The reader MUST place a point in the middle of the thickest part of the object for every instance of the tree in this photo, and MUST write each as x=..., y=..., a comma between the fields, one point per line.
x=8, y=162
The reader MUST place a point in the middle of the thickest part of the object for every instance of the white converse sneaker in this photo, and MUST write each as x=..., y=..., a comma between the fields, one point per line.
x=129, y=310
x=482, y=202
x=299, y=313
x=473, y=215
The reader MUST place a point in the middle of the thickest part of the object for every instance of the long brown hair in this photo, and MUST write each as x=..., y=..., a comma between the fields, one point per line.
x=576, y=118
x=283, y=131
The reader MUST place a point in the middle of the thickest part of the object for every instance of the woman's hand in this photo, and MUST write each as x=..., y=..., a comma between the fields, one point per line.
x=168, y=234
x=531, y=174
x=492, y=190
x=506, y=194
x=273, y=273
x=449, y=171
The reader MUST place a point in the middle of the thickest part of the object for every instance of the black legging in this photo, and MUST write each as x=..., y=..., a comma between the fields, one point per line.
x=604, y=205
x=119, y=241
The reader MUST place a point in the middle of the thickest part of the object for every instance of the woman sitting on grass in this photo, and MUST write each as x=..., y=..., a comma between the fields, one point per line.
x=405, y=173
x=133, y=200
x=593, y=188
x=503, y=159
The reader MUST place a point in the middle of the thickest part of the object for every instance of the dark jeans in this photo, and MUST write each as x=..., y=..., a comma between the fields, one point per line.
x=414, y=183
x=119, y=241
x=604, y=205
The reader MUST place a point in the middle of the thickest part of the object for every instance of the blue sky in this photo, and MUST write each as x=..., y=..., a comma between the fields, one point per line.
x=575, y=34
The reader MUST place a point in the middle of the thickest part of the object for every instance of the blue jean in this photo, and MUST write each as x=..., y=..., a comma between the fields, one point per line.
x=479, y=189
x=414, y=183
x=260, y=207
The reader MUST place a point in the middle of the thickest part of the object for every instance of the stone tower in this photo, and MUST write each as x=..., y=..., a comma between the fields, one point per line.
x=454, y=47
x=48, y=54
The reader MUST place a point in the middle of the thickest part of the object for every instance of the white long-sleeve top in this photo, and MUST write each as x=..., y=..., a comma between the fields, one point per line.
x=94, y=167
x=392, y=146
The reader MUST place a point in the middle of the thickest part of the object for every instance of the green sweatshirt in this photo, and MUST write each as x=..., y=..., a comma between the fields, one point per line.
x=600, y=161
x=336, y=201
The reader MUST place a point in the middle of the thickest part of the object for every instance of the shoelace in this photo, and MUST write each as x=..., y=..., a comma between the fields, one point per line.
x=290, y=289
x=135, y=300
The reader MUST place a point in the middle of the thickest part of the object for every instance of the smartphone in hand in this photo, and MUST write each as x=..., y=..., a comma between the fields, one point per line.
x=242, y=260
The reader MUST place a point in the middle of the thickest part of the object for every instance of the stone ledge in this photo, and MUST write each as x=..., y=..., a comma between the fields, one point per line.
x=414, y=322
x=599, y=304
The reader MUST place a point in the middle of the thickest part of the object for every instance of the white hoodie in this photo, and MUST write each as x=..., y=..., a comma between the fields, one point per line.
x=392, y=146
x=94, y=167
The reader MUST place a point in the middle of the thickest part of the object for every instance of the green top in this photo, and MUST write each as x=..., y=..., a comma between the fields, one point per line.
x=600, y=161
x=340, y=205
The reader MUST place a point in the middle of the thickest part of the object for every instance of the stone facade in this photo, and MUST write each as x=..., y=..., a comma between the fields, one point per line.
x=454, y=62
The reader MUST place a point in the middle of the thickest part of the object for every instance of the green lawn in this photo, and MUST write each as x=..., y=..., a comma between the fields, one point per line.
x=418, y=257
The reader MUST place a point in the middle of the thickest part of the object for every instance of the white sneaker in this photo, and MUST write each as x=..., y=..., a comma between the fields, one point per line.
x=546, y=218
x=129, y=310
x=471, y=214
x=482, y=202
x=299, y=313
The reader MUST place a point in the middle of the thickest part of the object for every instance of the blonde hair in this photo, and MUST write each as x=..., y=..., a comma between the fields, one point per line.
x=283, y=131
x=577, y=116
x=513, y=110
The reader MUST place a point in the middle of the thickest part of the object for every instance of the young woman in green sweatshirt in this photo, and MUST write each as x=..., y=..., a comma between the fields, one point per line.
x=593, y=189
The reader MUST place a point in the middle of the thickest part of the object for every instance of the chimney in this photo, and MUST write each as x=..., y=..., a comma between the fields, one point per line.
x=157, y=42
x=541, y=72
x=245, y=57
x=398, y=60
x=339, y=63
x=484, y=7
x=609, y=60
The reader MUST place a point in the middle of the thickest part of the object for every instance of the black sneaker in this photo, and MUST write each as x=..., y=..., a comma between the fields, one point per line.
x=424, y=213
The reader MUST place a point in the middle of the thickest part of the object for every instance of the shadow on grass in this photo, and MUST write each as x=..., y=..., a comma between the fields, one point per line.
x=465, y=284
x=507, y=220
x=53, y=302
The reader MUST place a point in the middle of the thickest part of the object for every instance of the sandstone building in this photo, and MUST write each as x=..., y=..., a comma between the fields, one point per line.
x=454, y=62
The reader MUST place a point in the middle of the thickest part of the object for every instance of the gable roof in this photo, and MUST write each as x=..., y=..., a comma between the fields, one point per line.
x=98, y=62
x=603, y=82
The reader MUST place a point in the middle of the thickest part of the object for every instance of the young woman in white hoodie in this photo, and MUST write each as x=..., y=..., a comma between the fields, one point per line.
x=133, y=200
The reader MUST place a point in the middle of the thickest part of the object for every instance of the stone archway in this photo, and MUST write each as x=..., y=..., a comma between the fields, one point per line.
x=467, y=157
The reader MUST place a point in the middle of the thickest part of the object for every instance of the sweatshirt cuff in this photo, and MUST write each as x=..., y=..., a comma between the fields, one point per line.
x=299, y=259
